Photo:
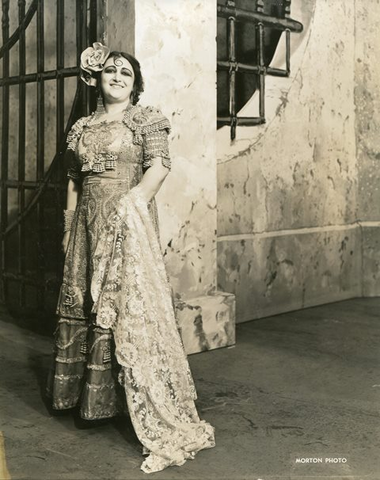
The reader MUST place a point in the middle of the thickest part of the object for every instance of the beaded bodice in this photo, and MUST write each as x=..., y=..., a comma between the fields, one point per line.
x=104, y=147
x=99, y=146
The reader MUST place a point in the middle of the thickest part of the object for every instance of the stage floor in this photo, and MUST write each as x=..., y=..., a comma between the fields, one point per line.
x=297, y=398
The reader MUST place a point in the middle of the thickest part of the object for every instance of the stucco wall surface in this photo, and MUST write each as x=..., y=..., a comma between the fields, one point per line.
x=367, y=100
x=116, y=24
x=177, y=52
x=292, y=197
x=278, y=273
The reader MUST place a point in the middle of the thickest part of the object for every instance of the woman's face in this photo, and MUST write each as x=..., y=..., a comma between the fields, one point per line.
x=116, y=80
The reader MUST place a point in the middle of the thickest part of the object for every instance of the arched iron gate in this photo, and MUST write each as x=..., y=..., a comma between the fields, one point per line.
x=39, y=104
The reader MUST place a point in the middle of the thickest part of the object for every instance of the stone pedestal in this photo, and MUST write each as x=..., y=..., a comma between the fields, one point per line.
x=207, y=322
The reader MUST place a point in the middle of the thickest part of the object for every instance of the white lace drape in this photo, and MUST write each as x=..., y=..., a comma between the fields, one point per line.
x=132, y=296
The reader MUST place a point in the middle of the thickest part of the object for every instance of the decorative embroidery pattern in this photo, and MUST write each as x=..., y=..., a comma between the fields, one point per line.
x=114, y=251
x=156, y=145
x=133, y=297
x=97, y=140
x=76, y=131
x=144, y=121
x=69, y=300
x=84, y=348
x=150, y=129
x=106, y=354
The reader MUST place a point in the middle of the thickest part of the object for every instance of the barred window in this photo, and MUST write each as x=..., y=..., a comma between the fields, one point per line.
x=247, y=37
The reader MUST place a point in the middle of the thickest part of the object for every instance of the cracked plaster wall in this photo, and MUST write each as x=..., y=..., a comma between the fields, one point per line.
x=367, y=101
x=289, y=205
x=177, y=52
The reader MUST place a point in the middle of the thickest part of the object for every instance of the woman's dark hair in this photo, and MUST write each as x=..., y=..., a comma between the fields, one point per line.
x=138, y=86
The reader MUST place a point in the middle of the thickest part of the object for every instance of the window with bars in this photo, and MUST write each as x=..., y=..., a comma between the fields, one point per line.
x=248, y=35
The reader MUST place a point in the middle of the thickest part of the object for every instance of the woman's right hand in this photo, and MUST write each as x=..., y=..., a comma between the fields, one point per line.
x=65, y=242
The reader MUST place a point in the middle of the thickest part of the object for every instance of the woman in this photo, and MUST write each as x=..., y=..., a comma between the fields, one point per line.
x=117, y=342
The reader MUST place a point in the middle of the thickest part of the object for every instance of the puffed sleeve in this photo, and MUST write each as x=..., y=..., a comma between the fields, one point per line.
x=155, y=139
x=73, y=164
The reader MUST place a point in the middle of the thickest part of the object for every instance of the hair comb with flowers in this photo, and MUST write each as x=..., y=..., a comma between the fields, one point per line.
x=92, y=60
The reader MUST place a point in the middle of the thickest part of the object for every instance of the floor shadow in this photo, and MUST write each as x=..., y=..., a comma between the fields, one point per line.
x=123, y=425
x=42, y=366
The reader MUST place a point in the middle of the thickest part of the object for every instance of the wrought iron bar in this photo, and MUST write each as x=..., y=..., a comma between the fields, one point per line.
x=40, y=91
x=5, y=142
x=260, y=57
x=60, y=97
x=261, y=65
x=232, y=75
x=93, y=31
x=92, y=37
x=40, y=143
x=253, y=69
x=254, y=17
x=287, y=51
x=24, y=279
x=21, y=150
x=60, y=116
x=29, y=184
x=242, y=121
x=38, y=77
x=81, y=30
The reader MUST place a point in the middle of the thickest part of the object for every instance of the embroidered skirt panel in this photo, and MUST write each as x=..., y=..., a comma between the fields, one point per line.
x=85, y=371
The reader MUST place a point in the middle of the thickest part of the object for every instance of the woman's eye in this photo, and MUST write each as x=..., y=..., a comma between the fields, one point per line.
x=125, y=72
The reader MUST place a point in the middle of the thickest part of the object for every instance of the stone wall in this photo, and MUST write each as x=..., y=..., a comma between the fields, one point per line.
x=290, y=203
x=367, y=101
x=177, y=53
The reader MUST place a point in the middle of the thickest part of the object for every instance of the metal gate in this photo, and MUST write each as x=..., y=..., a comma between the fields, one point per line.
x=41, y=98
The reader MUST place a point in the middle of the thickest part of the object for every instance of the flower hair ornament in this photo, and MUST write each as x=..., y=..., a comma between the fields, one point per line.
x=92, y=60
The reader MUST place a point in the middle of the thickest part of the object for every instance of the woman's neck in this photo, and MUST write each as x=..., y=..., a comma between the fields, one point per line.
x=115, y=108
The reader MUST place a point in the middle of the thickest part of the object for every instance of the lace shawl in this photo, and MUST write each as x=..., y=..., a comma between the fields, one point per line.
x=132, y=296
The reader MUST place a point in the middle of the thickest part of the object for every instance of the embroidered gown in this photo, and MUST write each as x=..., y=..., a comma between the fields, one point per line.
x=117, y=345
